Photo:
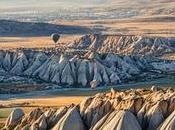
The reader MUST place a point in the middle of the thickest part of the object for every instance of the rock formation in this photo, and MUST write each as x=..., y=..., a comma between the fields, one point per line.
x=118, y=120
x=125, y=44
x=66, y=70
x=134, y=109
x=71, y=120
x=14, y=118
x=106, y=60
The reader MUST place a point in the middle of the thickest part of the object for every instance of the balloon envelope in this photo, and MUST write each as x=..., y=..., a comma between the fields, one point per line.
x=55, y=37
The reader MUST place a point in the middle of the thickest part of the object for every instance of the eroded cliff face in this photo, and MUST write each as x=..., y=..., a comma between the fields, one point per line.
x=92, y=69
x=134, y=109
x=126, y=45
x=103, y=60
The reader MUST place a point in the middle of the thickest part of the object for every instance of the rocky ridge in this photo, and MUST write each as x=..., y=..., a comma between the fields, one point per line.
x=134, y=109
x=125, y=44
x=92, y=70
x=97, y=66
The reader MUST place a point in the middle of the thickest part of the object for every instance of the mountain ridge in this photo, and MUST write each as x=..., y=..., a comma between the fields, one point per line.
x=121, y=59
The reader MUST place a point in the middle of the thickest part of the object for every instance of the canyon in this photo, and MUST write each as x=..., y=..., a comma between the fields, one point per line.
x=92, y=60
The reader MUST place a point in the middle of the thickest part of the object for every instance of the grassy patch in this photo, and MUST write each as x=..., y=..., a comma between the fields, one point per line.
x=5, y=112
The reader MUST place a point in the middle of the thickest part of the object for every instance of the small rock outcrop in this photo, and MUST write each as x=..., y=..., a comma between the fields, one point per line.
x=70, y=121
x=118, y=120
x=14, y=118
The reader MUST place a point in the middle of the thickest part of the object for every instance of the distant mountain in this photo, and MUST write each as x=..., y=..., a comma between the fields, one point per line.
x=14, y=28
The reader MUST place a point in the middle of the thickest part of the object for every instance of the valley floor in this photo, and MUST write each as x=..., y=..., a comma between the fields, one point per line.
x=160, y=25
x=9, y=43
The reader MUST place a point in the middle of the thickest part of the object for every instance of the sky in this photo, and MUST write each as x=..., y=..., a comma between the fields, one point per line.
x=47, y=3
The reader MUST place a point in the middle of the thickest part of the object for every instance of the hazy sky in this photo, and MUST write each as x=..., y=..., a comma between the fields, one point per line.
x=47, y=3
x=36, y=10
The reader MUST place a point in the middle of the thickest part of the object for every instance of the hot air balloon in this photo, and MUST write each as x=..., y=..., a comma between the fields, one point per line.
x=55, y=37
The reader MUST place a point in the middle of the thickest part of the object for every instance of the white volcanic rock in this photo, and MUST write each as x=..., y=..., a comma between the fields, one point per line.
x=46, y=74
x=95, y=110
x=91, y=70
x=129, y=66
x=2, y=53
x=99, y=73
x=54, y=69
x=63, y=61
x=169, y=123
x=56, y=74
x=118, y=120
x=125, y=44
x=98, y=69
x=29, y=119
x=40, y=123
x=14, y=118
x=45, y=71
x=41, y=70
x=126, y=67
x=70, y=121
x=67, y=75
x=49, y=113
x=38, y=60
x=84, y=104
x=7, y=62
x=15, y=57
x=2, y=71
x=102, y=71
x=114, y=78
x=73, y=70
x=123, y=66
x=82, y=77
x=57, y=78
x=165, y=66
x=155, y=115
x=141, y=116
x=97, y=77
x=94, y=84
x=53, y=119
x=111, y=58
x=100, y=112
x=20, y=65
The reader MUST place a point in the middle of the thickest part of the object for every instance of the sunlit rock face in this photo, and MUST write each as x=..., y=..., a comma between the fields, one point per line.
x=134, y=109
x=14, y=118
x=129, y=44
x=71, y=120
x=118, y=120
